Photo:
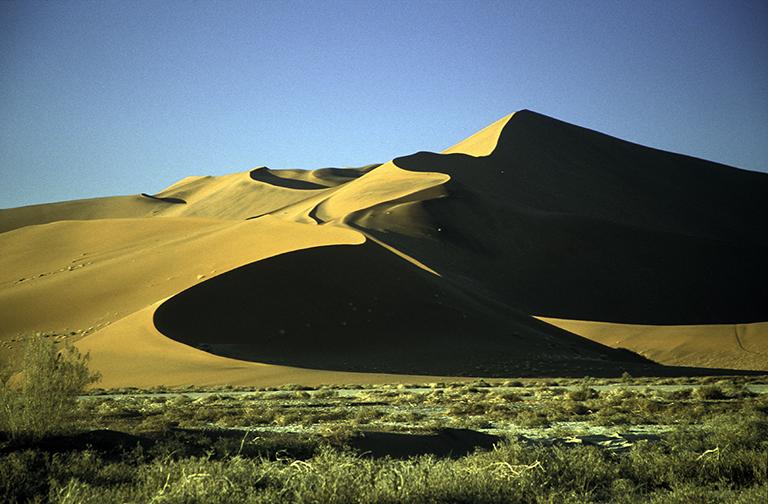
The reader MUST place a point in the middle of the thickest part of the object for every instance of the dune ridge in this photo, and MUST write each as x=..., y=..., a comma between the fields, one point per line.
x=482, y=143
x=532, y=248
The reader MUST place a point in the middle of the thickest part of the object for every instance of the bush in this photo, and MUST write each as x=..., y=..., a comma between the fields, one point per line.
x=46, y=401
x=583, y=393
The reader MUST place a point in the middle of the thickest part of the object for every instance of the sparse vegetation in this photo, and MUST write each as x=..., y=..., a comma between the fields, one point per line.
x=298, y=444
x=45, y=402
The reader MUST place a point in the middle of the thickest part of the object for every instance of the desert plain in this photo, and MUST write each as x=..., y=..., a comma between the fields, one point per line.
x=534, y=248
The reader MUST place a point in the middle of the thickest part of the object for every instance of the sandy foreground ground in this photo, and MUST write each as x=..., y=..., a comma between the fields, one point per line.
x=534, y=247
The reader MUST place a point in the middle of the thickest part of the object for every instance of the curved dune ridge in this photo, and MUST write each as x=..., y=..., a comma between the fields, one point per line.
x=532, y=248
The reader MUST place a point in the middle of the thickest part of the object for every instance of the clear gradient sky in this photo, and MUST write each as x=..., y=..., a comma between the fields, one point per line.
x=108, y=98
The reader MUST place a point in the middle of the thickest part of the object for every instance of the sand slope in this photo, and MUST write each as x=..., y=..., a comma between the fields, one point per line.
x=377, y=312
x=741, y=346
x=531, y=248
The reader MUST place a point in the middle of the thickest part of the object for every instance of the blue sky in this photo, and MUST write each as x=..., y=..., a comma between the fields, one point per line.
x=109, y=98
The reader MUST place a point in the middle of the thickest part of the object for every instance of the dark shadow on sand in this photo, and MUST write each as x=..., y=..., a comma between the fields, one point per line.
x=178, y=201
x=363, y=309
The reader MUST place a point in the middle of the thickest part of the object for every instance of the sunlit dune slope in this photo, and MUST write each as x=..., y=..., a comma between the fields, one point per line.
x=740, y=346
x=481, y=143
x=116, y=207
x=476, y=261
x=75, y=277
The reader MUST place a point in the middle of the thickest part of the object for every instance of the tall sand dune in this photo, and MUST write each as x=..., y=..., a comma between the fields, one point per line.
x=534, y=247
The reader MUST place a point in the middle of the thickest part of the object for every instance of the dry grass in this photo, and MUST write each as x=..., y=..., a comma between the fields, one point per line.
x=294, y=444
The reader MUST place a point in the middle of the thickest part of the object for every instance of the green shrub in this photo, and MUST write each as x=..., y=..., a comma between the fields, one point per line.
x=46, y=401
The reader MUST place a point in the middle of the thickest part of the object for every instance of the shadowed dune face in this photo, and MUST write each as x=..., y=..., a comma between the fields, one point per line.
x=551, y=166
x=564, y=222
x=308, y=180
x=166, y=200
x=572, y=266
x=363, y=308
x=269, y=177
x=431, y=263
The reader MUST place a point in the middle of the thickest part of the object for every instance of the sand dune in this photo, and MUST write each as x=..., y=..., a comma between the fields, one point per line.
x=377, y=312
x=534, y=247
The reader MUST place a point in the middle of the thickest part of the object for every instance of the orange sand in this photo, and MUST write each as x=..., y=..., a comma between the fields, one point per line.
x=427, y=265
